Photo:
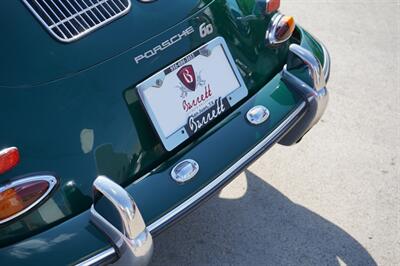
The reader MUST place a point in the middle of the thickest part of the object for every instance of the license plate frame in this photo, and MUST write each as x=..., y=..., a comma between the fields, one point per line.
x=171, y=135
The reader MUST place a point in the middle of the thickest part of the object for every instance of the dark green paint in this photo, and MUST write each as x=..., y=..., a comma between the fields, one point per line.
x=30, y=57
x=90, y=84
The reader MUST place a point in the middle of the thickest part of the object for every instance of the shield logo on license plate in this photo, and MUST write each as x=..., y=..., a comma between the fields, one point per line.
x=187, y=77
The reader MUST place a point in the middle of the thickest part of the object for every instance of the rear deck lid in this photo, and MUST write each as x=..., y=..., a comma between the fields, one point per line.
x=31, y=56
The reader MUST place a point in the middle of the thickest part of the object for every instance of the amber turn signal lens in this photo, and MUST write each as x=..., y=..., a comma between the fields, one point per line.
x=18, y=198
x=285, y=28
x=272, y=6
x=9, y=158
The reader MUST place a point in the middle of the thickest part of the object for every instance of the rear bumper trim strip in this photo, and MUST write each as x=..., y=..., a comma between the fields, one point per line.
x=110, y=252
x=186, y=204
x=319, y=99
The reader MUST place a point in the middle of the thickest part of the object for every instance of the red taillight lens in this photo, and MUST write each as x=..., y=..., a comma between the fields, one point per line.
x=16, y=199
x=280, y=29
x=9, y=158
x=272, y=6
x=285, y=28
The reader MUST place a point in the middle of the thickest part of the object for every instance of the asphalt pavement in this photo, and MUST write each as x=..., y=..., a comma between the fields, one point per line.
x=334, y=198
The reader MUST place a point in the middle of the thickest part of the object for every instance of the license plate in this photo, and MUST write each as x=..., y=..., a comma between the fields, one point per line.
x=189, y=94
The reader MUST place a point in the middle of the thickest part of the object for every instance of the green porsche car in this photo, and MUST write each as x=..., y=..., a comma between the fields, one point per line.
x=118, y=117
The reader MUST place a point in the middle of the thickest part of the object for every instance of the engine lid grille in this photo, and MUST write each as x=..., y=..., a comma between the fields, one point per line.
x=69, y=20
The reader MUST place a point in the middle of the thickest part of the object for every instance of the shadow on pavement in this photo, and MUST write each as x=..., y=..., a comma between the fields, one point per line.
x=261, y=228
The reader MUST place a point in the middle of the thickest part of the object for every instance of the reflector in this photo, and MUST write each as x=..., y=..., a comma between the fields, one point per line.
x=272, y=6
x=22, y=195
x=9, y=158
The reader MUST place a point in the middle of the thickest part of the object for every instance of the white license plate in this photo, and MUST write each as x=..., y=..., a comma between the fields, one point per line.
x=189, y=94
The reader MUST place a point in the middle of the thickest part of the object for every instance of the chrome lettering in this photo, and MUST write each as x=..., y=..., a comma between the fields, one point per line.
x=164, y=45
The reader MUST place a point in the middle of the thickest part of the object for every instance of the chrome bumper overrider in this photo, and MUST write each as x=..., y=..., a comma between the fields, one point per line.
x=133, y=243
x=112, y=253
x=313, y=91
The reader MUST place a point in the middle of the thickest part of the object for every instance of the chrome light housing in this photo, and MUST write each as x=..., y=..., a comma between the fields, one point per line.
x=19, y=196
x=279, y=30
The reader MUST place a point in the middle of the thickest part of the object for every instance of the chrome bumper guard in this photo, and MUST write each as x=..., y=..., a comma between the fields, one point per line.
x=133, y=244
x=314, y=91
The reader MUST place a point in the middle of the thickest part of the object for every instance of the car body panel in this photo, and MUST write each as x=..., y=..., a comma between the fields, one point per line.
x=81, y=119
x=214, y=153
x=66, y=242
x=33, y=58
x=92, y=122
x=69, y=250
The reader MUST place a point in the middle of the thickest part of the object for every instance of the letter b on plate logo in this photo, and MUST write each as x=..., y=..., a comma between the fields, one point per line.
x=205, y=29
x=187, y=76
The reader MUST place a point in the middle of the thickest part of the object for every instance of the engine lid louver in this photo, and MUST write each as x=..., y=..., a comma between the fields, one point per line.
x=69, y=20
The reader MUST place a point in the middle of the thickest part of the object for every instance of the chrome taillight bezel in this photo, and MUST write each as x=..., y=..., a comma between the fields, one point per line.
x=51, y=180
x=270, y=35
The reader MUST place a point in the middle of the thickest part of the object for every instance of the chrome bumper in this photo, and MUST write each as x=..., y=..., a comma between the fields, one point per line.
x=132, y=244
x=313, y=91
x=113, y=255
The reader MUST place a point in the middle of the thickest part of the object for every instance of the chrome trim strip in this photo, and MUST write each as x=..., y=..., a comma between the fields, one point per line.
x=51, y=180
x=99, y=258
x=326, y=65
x=176, y=211
x=228, y=172
x=270, y=34
x=326, y=68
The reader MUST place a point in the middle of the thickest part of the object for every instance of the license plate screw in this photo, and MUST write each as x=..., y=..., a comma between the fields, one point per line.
x=205, y=52
x=159, y=82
